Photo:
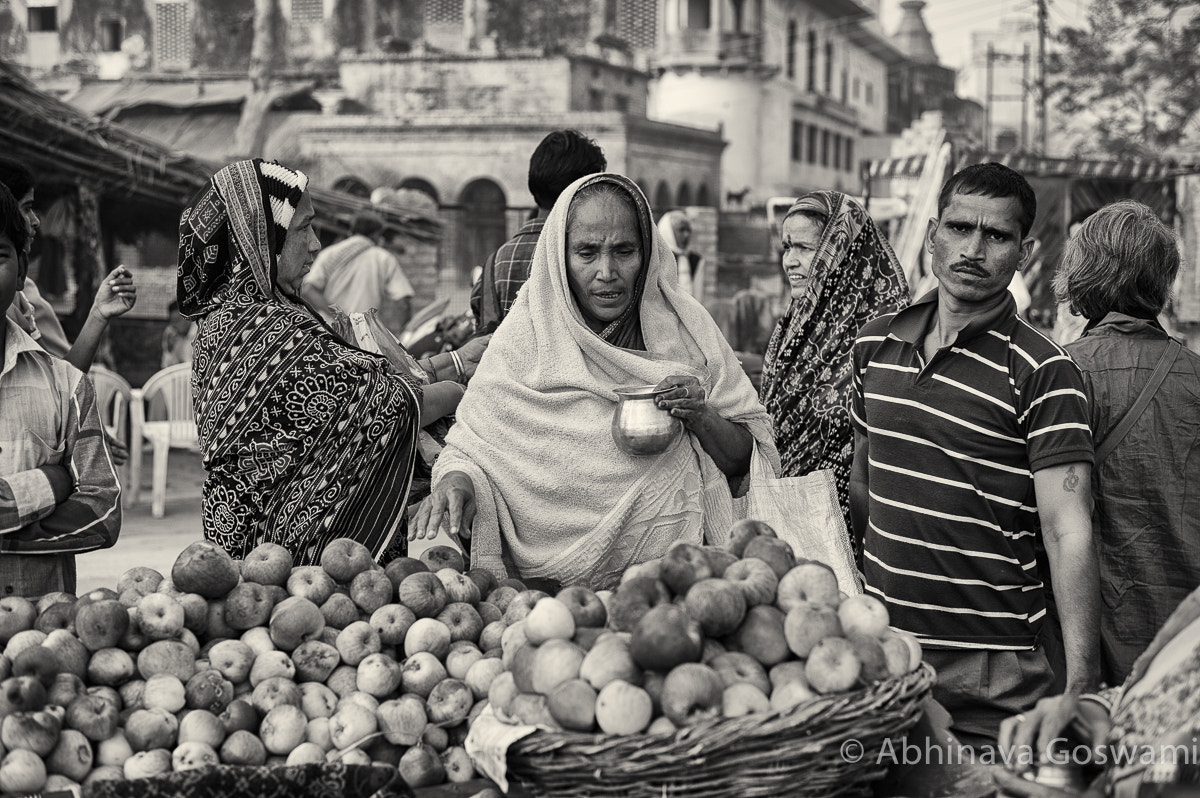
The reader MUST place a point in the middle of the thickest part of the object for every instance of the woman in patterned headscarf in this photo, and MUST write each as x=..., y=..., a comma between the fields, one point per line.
x=305, y=438
x=842, y=273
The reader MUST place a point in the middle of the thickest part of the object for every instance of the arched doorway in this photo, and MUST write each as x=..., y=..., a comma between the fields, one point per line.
x=352, y=185
x=662, y=197
x=702, y=195
x=421, y=185
x=684, y=197
x=483, y=227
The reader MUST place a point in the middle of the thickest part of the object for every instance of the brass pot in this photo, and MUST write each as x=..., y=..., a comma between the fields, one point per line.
x=641, y=427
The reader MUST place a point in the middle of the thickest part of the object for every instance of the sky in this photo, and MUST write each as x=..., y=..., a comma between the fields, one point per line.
x=952, y=21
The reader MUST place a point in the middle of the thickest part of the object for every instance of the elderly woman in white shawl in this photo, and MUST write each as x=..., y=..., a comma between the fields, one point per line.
x=530, y=471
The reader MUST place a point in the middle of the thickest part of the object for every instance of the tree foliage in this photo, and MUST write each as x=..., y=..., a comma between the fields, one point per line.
x=1132, y=79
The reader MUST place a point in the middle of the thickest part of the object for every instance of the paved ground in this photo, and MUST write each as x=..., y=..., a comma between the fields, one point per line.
x=156, y=542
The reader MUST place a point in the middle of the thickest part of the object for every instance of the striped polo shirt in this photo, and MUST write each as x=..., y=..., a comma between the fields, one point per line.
x=951, y=541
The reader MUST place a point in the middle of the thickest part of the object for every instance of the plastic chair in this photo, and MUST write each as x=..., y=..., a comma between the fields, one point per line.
x=113, y=399
x=174, y=383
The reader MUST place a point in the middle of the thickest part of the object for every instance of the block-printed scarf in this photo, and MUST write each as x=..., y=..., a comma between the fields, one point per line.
x=807, y=380
x=305, y=438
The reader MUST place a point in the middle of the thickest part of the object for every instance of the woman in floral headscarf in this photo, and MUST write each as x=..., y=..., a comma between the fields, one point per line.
x=842, y=273
x=305, y=438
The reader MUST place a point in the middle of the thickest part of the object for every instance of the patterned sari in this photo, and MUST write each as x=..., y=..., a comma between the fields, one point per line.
x=806, y=383
x=305, y=438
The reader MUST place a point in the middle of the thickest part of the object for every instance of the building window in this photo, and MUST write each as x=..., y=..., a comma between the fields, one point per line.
x=849, y=154
x=870, y=93
x=595, y=100
x=110, y=35
x=811, y=150
x=792, y=34
x=845, y=86
x=43, y=19
x=857, y=87
x=308, y=12
x=837, y=151
x=172, y=35
x=797, y=141
x=811, y=61
x=698, y=14
x=621, y=102
x=829, y=68
x=824, y=148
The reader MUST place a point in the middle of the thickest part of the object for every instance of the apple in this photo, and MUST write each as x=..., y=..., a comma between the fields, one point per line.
x=109, y=694
x=423, y=593
x=462, y=620
x=56, y=616
x=343, y=680
x=72, y=656
x=784, y=672
x=743, y=699
x=215, y=627
x=756, y=579
x=67, y=687
x=151, y=728
x=232, y=659
x=192, y=755
x=340, y=611
x=869, y=650
x=556, y=661
x=832, y=666
x=863, y=615
x=17, y=615
x=283, y=729
x=243, y=747
x=744, y=531
x=22, y=772
x=462, y=655
x=573, y=704
x=438, y=557
x=421, y=672
x=314, y=661
x=274, y=692
x=201, y=726
x=38, y=662
x=311, y=582
x=72, y=756
x=392, y=622
x=661, y=725
x=633, y=600
x=808, y=581
x=609, y=659
x=99, y=594
x=355, y=756
x=530, y=709
x=401, y=567
x=665, y=637
x=317, y=731
x=492, y=635
x=774, y=552
x=427, y=634
x=267, y=564
x=295, y=620
x=550, y=619
x=623, y=708
x=449, y=702
x=484, y=579
x=239, y=715
x=762, y=635
x=94, y=717
x=351, y=725
x=344, y=558
x=208, y=690
x=402, y=720
x=148, y=764
x=459, y=586
x=457, y=764
x=317, y=700
x=421, y=767
x=99, y=774
x=258, y=639
x=692, y=692
x=357, y=641
x=164, y=691
x=791, y=694
x=205, y=568
x=140, y=578
x=160, y=617
x=167, y=656
x=112, y=750
x=111, y=667
x=502, y=692
x=903, y=652
x=522, y=667
x=735, y=667
x=379, y=675
x=370, y=590
x=650, y=569
x=511, y=641
x=480, y=675
x=501, y=596
x=32, y=731
x=101, y=624
x=21, y=694
x=306, y=753
x=30, y=638
x=585, y=606
x=717, y=604
x=683, y=565
x=809, y=623
x=522, y=604
x=248, y=605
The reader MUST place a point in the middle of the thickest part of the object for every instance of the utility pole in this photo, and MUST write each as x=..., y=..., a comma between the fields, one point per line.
x=1041, y=94
x=987, y=106
x=1025, y=98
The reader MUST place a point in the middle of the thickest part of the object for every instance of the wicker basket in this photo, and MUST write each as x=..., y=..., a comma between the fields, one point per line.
x=797, y=753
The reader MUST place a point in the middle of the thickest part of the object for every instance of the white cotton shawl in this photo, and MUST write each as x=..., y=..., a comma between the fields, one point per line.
x=555, y=497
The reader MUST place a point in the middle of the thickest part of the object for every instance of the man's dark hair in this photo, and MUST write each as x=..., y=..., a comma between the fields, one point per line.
x=992, y=180
x=563, y=157
x=12, y=221
x=366, y=224
x=17, y=177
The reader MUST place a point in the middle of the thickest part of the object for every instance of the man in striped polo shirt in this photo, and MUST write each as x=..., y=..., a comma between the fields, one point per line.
x=972, y=446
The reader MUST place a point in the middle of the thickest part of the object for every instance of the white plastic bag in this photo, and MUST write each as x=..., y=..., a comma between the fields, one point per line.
x=804, y=511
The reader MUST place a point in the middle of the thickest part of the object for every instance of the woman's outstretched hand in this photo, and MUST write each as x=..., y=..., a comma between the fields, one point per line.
x=471, y=352
x=116, y=295
x=451, y=505
x=685, y=400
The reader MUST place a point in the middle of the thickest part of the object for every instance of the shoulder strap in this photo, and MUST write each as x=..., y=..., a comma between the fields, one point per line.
x=1161, y=369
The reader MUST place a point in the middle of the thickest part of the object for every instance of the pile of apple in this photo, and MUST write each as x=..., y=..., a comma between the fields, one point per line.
x=252, y=662
x=703, y=632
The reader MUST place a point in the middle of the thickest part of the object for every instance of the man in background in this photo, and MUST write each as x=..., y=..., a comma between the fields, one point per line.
x=563, y=157
x=359, y=274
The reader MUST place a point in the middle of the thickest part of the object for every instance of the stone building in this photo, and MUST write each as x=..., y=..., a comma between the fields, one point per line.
x=920, y=83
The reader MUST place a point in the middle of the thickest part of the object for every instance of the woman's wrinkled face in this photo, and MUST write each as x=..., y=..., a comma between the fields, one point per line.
x=299, y=248
x=604, y=255
x=801, y=235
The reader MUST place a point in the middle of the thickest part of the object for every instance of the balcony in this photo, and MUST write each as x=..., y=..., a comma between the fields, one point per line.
x=701, y=48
